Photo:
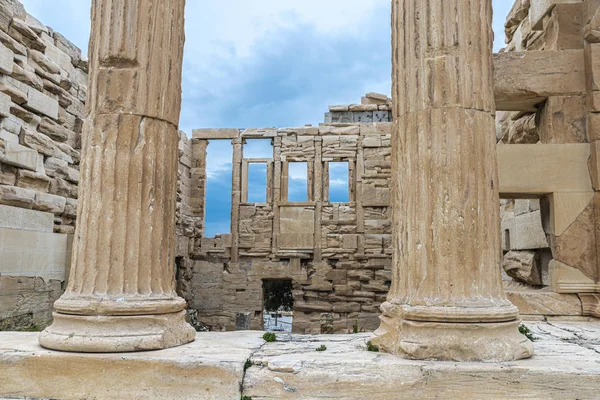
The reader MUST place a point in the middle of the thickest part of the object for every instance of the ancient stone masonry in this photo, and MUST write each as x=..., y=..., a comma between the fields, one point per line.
x=374, y=107
x=336, y=254
x=43, y=85
x=551, y=103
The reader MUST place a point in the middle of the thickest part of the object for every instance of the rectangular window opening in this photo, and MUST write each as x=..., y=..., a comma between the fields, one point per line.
x=219, y=168
x=257, y=182
x=298, y=182
x=339, y=182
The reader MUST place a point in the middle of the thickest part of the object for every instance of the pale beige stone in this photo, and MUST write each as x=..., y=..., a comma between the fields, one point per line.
x=211, y=368
x=540, y=8
x=595, y=164
x=147, y=63
x=542, y=301
x=566, y=279
x=566, y=208
x=215, y=133
x=446, y=301
x=42, y=103
x=121, y=293
x=525, y=79
x=523, y=266
x=291, y=368
x=19, y=156
x=6, y=60
x=541, y=169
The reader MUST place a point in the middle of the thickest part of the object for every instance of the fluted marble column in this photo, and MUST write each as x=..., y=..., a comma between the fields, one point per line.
x=121, y=292
x=446, y=301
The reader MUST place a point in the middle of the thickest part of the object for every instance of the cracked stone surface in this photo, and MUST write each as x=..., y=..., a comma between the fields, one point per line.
x=566, y=365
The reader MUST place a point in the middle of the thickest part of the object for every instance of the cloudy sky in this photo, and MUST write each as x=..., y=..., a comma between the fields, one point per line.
x=261, y=63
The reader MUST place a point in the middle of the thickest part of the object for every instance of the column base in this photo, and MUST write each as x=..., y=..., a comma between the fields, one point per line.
x=450, y=341
x=116, y=334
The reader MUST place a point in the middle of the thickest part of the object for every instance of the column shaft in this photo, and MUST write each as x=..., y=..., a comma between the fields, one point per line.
x=446, y=299
x=121, y=292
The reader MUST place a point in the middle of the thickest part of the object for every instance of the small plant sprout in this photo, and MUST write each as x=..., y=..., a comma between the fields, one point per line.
x=270, y=337
x=527, y=333
x=322, y=348
x=372, y=347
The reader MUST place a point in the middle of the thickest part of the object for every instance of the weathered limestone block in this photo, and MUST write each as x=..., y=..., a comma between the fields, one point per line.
x=563, y=120
x=13, y=88
x=523, y=131
x=146, y=63
x=523, y=169
x=525, y=79
x=542, y=301
x=39, y=142
x=50, y=203
x=523, y=232
x=523, y=266
x=7, y=61
x=21, y=32
x=42, y=103
x=5, y=105
x=517, y=14
x=10, y=9
x=19, y=156
x=577, y=246
x=25, y=302
x=595, y=165
x=33, y=180
x=16, y=196
x=8, y=175
x=540, y=8
x=564, y=27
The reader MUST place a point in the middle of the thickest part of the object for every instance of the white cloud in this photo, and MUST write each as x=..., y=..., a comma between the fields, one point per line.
x=230, y=43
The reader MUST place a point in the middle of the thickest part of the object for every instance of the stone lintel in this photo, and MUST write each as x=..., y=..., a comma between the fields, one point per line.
x=525, y=79
x=209, y=133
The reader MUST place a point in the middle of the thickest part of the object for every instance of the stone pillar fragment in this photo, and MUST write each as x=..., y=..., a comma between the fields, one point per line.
x=446, y=301
x=121, y=293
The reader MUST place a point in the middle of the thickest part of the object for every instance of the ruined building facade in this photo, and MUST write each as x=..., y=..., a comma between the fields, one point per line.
x=337, y=255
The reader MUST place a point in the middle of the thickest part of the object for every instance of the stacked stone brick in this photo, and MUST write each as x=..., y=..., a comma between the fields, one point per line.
x=43, y=85
x=338, y=255
x=374, y=107
x=560, y=32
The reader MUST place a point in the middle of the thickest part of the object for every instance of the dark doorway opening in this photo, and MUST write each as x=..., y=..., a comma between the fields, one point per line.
x=278, y=304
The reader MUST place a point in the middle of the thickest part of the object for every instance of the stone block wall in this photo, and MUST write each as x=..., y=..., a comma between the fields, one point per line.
x=43, y=85
x=337, y=255
x=555, y=235
x=374, y=107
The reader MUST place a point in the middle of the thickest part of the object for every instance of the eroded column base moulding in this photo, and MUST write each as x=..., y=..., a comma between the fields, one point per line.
x=113, y=334
x=468, y=340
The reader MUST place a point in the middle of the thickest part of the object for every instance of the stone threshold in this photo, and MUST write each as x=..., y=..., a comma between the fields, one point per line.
x=566, y=365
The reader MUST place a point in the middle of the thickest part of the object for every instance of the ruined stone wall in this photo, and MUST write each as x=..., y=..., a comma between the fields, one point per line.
x=337, y=255
x=536, y=248
x=43, y=85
